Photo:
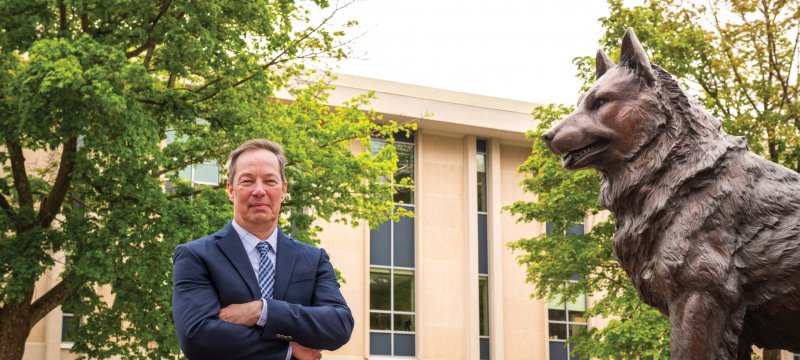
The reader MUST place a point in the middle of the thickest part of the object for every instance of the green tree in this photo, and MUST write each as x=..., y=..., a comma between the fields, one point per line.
x=122, y=95
x=736, y=56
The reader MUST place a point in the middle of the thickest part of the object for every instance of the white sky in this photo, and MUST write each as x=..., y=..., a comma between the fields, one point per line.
x=515, y=49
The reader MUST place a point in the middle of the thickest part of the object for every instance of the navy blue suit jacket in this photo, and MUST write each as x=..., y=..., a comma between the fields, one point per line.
x=213, y=272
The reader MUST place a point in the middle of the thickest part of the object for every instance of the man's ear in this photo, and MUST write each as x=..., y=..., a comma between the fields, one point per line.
x=229, y=187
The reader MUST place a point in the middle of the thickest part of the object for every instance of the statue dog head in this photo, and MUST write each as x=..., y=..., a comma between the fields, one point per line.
x=615, y=118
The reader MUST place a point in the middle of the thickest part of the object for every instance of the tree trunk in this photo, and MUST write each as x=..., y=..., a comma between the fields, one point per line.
x=14, y=329
x=772, y=354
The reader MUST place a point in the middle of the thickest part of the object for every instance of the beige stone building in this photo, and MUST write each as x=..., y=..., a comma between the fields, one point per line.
x=443, y=285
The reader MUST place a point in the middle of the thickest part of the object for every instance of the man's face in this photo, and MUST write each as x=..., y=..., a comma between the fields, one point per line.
x=257, y=191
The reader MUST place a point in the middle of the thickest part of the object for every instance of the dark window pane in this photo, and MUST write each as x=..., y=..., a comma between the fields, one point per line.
x=404, y=345
x=376, y=145
x=380, y=321
x=481, y=146
x=484, y=349
x=404, y=242
x=558, y=350
x=482, y=191
x=577, y=316
x=379, y=289
x=404, y=137
x=576, y=229
x=403, y=290
x=483, y=245
x=380, y=245
x=405, y=169
x=403, y=322
x=483, y=306
x=572, y=356
x=68, y=326
x=575, y=329
x=404, y=195
x=480, y=159
x=556, y=315
x=380, y=343
x=557, y=331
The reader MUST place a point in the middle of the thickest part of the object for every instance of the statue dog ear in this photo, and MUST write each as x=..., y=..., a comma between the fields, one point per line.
x=632, y=56
x=602, y=63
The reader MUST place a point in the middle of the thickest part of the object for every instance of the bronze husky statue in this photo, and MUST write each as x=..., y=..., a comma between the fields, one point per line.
x=708, y=232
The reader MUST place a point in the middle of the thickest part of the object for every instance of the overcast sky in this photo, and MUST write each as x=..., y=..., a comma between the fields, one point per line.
x=515, y=49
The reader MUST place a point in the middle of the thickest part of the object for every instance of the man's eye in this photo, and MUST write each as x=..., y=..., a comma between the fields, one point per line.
x=598, y=103
x=246, y=182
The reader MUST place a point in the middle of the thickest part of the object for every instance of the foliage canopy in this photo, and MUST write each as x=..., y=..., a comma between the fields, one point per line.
x=96, y=88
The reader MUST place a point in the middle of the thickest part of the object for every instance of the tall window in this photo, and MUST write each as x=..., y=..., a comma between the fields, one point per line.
x=392, y=298
x=565, y=319
x=483, y=250
x=69, y=323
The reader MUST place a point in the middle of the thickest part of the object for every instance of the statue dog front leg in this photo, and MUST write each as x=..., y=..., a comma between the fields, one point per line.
x=704, y=326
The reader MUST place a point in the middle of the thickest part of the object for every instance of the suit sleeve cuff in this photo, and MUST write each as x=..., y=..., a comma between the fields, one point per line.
x=262, y=319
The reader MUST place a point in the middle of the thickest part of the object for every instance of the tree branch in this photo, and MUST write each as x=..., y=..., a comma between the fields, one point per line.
x=62, y=15
x=276, y=59
x=150, y=42
x=6, y=206
x=20, y=174
x=53, y=298
x=54, y=200
x=734, y=66
x=84, y=19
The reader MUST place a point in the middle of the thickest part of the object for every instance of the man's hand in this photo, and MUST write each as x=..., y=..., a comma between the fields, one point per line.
x=301, y=352
x=246, y=314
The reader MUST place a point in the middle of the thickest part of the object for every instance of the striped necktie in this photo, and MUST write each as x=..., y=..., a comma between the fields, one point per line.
x=266, y=271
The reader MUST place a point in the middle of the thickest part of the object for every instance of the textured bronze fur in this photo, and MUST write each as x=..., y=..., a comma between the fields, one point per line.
x=708, y=232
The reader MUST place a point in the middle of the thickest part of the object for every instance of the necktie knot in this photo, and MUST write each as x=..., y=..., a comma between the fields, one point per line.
x=263, y=247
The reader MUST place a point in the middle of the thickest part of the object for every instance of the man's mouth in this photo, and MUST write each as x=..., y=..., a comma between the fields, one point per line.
x=574, y=158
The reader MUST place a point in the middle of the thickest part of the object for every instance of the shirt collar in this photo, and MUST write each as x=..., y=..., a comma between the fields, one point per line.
x=250, y=241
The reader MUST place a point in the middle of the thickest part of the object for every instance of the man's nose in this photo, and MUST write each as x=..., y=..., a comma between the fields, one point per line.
x=259, y=189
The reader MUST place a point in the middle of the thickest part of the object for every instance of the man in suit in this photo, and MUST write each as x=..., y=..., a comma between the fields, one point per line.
x=248, y=291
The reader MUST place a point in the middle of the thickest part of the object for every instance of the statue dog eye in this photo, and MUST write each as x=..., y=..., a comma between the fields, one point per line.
x=598, y=103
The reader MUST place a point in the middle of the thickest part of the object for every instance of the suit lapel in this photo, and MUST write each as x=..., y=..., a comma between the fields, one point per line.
x=231, y=246
x=287, y=252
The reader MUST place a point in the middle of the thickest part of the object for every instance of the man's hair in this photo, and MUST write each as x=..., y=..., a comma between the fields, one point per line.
x=256, y=144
